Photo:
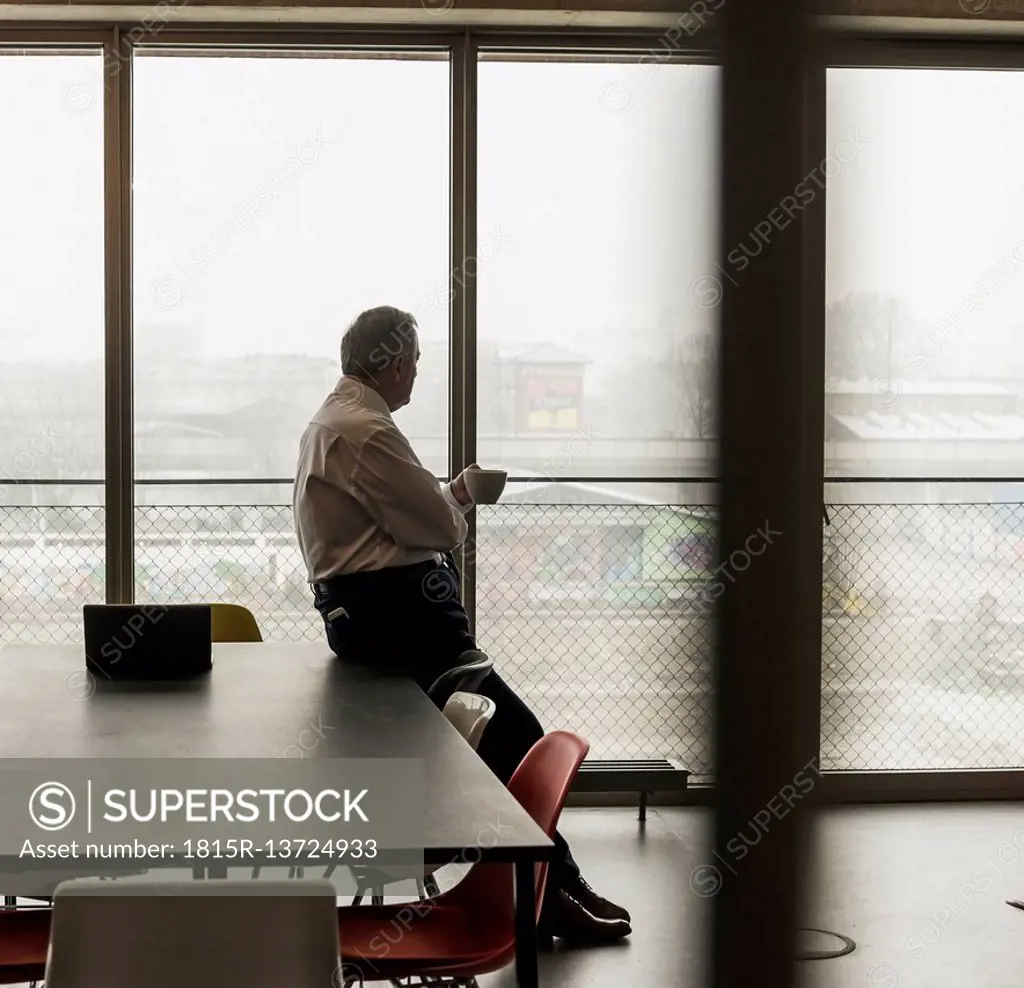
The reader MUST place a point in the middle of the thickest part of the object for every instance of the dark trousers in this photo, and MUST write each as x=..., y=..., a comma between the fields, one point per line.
x=410, y=620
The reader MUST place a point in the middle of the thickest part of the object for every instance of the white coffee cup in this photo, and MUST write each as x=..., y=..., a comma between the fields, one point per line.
x=485, y=486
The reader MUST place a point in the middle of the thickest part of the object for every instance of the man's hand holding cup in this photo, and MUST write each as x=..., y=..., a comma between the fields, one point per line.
x=475, y=485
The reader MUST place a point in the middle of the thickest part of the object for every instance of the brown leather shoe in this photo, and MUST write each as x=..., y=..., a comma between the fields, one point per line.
x=579, y=889
x=567, y=918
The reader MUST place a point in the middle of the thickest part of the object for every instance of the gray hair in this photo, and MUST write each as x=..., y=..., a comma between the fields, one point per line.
x=374, y=338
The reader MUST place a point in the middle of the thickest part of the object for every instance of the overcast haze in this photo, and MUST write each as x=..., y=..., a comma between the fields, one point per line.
x=605, y=218
x=933, y=202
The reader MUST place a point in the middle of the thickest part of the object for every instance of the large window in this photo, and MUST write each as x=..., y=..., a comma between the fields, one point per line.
x=923, y=649
x=925, y=255
x=51, y=333
x=598, y=205
x=275, y=198
x=597, y=211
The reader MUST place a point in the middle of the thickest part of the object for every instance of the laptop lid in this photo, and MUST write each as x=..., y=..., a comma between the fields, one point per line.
x=147, y=641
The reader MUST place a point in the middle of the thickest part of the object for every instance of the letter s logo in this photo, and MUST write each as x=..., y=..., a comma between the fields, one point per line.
x=51, y=806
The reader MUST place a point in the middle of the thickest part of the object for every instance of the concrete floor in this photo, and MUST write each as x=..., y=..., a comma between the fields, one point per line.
x=921, y=889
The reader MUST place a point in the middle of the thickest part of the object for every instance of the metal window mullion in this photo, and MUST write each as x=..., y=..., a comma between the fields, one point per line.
x=463, y=291
x=897, y=50
x=813, y=370
x=298, y=38
x=118, y=302
x=628, y=47
x=50, y=38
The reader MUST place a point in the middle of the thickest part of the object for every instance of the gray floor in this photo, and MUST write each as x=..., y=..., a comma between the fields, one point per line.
x=921, y=889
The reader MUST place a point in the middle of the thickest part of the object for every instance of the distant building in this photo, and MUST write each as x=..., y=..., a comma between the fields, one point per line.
x=239, y=419
x=547, y=389
x=927, y=429
x=614, y=547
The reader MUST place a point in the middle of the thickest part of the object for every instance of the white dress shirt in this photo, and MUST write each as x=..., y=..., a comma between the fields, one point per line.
x=362, y=499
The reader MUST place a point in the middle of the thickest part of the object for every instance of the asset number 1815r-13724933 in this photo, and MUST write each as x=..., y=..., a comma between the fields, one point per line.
x=288, y=847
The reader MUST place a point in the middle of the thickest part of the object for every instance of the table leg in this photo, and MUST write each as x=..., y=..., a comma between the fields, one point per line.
x=526, y=927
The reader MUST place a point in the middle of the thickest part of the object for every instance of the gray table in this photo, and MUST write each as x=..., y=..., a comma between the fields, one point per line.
x=258, y=700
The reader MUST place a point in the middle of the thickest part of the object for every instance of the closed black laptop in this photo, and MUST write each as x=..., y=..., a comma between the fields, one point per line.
x=147, y=641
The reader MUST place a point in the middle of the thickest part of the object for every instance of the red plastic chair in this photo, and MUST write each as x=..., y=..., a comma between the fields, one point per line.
x=469, y=930
x=24, y=940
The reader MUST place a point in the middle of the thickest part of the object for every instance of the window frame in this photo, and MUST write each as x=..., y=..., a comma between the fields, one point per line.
x=889, y=48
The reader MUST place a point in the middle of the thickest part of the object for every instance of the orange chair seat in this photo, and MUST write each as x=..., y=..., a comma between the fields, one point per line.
x=385, y=942
x=24, y=940
x=470, y=929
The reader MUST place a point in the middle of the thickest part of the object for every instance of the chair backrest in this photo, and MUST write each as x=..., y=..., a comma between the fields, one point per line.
x=234, y=623
x=469, y=714
x=24, y=937
x=465, y=677
x=540, y=784
x=204, y=934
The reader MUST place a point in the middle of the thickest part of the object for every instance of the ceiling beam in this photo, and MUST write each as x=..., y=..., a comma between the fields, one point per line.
x=965, y=18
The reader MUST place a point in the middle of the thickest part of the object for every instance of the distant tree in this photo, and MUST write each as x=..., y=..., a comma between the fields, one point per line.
x=699, y=389
x=51, y=421
x=865, y=336
x=670, y=394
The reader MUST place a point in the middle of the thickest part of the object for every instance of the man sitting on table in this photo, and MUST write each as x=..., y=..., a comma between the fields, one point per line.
x=372, y=525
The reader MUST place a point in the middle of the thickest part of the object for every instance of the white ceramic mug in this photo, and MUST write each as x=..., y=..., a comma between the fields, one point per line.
x=485, y=486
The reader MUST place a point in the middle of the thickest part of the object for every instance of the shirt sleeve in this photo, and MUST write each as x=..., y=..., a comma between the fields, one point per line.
x=403, y=497
x=449, y=496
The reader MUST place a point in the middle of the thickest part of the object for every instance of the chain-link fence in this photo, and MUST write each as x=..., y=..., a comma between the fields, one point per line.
x=923, y=637
x=52, y=564
x=597, y=615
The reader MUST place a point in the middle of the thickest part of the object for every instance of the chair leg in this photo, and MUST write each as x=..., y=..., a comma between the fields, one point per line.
x=420, y=889
x=346, y=977
x=430, y=883
x=377, y=898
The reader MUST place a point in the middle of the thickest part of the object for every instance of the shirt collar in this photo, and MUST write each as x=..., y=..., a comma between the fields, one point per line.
x=354, y=390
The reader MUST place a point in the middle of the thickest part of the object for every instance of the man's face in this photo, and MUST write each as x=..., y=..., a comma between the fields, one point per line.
x=406, y=375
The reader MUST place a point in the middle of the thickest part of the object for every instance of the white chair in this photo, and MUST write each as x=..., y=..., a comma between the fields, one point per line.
x=203, y=934
x=475, y=667
x=469, y=714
